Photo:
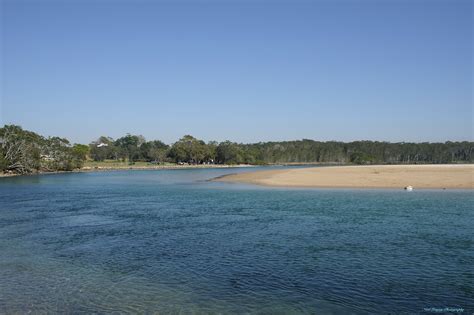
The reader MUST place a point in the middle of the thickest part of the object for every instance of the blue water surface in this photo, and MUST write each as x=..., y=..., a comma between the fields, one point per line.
x=169, y=241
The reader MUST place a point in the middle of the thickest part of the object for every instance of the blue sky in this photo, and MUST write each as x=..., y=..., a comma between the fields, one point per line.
x=246, y=71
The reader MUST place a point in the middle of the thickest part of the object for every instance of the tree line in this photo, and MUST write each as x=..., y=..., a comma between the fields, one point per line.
x=23, y=151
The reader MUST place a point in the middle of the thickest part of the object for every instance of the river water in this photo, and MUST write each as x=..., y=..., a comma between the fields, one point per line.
x=170, y=241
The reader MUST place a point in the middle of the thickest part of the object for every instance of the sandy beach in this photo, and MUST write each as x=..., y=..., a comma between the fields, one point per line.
x=383, y=176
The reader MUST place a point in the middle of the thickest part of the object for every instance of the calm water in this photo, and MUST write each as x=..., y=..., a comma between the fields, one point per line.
x=170, y=242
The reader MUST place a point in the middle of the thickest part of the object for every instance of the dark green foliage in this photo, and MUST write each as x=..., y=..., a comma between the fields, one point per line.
x=361, y=158
x=229, y=153
x=360, y=152
x=3, y=161
x=23, y=151
x=79, y=154
x=129, y=147
x=102, y=149
x=154, y=151
x=56, y=155
x=190, y=150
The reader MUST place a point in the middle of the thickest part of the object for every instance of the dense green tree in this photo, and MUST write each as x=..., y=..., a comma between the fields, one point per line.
x=210, y=152
x=155, y=151
x=3, y=161
x=21, y=149
x=102, y=149
x=308, y=151
x=188, y=149
x=57, y=155
x=25, y=152
x=129, y=147
x=229, y=153
x=79, y=154
x=361, y=158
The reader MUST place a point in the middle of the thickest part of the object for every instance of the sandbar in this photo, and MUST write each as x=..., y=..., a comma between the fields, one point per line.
x=439, y=176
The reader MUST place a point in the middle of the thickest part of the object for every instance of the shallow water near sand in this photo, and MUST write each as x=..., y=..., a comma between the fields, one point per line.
x=171, y=242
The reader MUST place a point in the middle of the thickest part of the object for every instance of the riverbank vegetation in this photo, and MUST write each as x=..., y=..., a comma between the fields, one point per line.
x=23, y=152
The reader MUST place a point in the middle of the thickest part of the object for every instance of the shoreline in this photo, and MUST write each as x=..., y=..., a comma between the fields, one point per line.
x=426, y=176
x=88, y=169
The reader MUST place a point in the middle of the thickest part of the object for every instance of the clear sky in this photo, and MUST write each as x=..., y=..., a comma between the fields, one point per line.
x=246, y=71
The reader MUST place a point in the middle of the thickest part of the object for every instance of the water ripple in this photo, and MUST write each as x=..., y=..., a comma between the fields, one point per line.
x=158, y=242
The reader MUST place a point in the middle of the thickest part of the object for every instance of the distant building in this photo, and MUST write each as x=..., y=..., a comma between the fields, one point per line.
x=46, y=157
x=100, y=145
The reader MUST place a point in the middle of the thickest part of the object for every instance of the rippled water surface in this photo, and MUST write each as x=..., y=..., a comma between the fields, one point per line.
x=171, y=242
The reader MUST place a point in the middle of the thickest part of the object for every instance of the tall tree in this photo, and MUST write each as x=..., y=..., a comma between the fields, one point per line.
x=103, y=148
x=129, y=146
x=20, y=149
x=188, y=149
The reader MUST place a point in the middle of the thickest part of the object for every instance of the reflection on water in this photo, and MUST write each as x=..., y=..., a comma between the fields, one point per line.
x=171, y=242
